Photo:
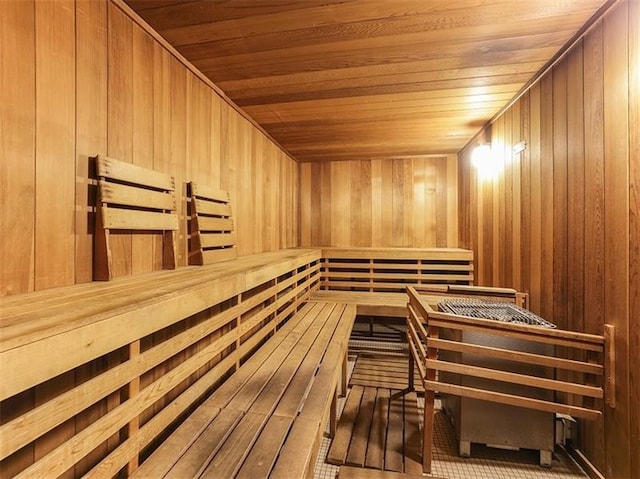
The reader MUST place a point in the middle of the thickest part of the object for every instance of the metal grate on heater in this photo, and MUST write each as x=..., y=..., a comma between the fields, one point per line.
x=505, y=312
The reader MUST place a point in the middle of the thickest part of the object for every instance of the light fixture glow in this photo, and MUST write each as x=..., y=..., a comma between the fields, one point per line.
x=485, y=162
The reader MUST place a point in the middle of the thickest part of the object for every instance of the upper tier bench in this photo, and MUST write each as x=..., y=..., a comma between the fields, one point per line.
x=266, y=420
x=113, y=365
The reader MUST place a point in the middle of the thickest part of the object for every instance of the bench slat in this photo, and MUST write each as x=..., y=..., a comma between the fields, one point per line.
x=125, y=219
x=263, y=455
x=132, y=196
x=200, y=452
x=123, y=171
x=235, y=448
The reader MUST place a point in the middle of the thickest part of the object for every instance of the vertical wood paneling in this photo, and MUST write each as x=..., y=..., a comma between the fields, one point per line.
x=594, y=317
x=560, y=199
x=120, y=117
x=616, y=228
x=400, y=202
x=55, y=143
x=17, y=147
x=634, y=232
x=535, y=240
x=104, y=86
x=142, y=251
x=579, y=212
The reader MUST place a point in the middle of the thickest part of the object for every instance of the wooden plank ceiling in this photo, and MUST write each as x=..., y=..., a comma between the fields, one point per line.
x=355, y=79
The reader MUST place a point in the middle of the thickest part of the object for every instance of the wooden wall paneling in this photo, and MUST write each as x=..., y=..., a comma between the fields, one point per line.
x=593, y=76
x=142, y=250
x=488, y=219
x=523, y=237
x=305, y=195
x=419, y=209
x=120, y=117
x=365, y=204
x=452, y=201
x=546, y=191
x=442, y=208
x=178, y=148
x=387, y=203
x=340, y=203
x=257, y=171
x=55, y=144
x=91, y=124
x=516, y=198
x=161, y=127
x=497, y=243
x=430, y=212
x=575, y=190
x=355, y=203
x=506, y=181
x=407, y=226
x=271, y=181
x=634, y=233
x=560, y=198
x=535, y=238
x=376, y=202
x=91, y=139
x=245, y=186
x=216, y=134
x=17, y=146
x=397, y=203
x=326, y=194
x=616, y=228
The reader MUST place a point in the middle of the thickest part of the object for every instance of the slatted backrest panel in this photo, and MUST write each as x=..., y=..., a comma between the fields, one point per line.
x=393, y=269
x=212, y=236
x=133, y=198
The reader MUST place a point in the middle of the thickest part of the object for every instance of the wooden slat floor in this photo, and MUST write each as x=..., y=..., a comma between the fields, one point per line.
x=383, y=370
x=379, y=429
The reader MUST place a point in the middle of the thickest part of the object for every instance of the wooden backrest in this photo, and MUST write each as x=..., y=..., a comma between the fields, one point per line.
x=212, y=236
x=393, y=269
x=133, y=198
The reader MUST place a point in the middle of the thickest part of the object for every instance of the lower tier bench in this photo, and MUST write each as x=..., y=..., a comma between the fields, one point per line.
x=266, y=420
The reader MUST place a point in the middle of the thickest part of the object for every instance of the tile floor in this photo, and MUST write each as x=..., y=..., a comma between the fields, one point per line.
x=485, y=463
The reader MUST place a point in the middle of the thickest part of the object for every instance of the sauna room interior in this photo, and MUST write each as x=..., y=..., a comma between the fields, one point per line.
x=320, y=238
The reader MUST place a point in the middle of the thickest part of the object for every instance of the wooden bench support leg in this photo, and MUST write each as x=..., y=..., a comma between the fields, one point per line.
x=133, y=389
x=344, y=379
x=333, y=415
x=427, y=441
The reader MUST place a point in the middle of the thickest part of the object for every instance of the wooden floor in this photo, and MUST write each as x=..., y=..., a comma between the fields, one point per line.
x=379, y=429
x=383, y=370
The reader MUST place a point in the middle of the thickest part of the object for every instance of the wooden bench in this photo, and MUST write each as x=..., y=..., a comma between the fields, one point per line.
x=268, y=418
x=93, y=374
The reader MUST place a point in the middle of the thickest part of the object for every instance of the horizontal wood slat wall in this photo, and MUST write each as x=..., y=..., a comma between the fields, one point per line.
x=81, y=78
x=561, y=221
x=409, y=202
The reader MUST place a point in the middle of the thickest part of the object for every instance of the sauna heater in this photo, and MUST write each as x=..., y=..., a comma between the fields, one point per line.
x=493, y=424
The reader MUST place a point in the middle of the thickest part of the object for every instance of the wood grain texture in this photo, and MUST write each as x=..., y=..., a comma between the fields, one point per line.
x=55, y=144
x=105, y=86
x=368, y=78
x=578, y=197
x=17, y=147
x=401, y=202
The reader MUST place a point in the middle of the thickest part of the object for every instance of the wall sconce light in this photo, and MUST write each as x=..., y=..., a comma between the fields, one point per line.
x=485, y=162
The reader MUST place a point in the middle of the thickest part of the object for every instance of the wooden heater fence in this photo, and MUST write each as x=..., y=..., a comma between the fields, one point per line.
x=576, y=394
